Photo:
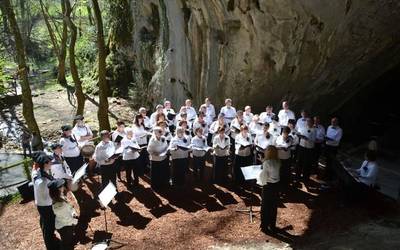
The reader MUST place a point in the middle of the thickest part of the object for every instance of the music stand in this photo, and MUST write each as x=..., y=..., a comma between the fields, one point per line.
x=105, y=197
x=250, y=173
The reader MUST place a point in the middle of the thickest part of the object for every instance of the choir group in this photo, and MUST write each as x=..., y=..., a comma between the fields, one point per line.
x=170, y=142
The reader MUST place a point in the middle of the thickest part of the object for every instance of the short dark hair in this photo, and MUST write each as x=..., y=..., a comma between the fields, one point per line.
x=120, y=122
x=286, y=129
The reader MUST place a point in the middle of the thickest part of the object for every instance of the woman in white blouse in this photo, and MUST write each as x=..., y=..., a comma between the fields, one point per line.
x=221, y=145
x=141, y=135
x=269, y=180
x=283, y=144
x=65, y=215
x=130, y=158
x=243, y=158
x=157, y=149
x=179, y=149
x=199, y=149
x=262, y=141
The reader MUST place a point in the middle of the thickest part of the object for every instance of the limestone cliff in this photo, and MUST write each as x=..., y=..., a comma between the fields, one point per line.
x=315, y=53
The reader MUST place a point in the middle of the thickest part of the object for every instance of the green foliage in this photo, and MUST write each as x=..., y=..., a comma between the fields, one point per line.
x=86, y=50
x=4, y=76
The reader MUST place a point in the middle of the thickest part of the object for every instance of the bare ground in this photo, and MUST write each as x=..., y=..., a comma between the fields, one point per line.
x=202, y=216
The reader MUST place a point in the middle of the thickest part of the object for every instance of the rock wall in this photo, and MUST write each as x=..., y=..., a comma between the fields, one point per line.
x=315, y=53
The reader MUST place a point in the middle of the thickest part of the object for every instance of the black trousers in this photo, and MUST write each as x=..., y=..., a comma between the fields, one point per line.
x=220, y=168
x=285, y=172
x=269, y=205
x=258, y=155
x=199, y=164
x=47, y=224
x=119, y=165
x=179, y=169
x=317, y=155
x=67, y=235
x=108, y=173
x=27, y=147
x=305, y=161
x=240, y=161
x=330, y=154
x=133, y=167
x=74, y=163
x=209, y=139
x=160, y=173
x=144, y=160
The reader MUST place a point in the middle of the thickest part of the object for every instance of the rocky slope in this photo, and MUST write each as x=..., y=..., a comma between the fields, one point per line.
x=317, y=54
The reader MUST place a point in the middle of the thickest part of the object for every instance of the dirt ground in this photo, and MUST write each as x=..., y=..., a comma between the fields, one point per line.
x=202, y=216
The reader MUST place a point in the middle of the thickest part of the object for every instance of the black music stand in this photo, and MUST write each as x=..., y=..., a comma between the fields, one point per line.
x=250, y=173
x=104, y=237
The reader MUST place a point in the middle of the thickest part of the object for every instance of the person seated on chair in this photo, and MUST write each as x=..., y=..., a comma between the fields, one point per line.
x=369, y=169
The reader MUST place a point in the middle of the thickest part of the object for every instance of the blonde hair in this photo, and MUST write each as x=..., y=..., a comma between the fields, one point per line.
x=271, y=153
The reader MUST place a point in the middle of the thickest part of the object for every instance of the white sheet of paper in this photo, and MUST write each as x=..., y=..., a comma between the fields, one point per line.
x=119, y=150
x=100, y=246
x=107, y=194
x=79, y=173
x=251, y=172
x=164, y=153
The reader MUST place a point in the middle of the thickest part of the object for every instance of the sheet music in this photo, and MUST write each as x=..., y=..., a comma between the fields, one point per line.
x=79, y=173
x=251, y=172
x=107, y=194
x=119, y=150
x=202, y=149
x=164, y=153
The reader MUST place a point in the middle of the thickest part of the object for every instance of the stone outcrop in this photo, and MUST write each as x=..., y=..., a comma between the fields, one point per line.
x=317, y=54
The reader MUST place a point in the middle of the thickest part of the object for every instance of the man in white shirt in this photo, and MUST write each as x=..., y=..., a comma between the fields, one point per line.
x=210, y=110
x=170, y=114
x=82, y=131
x=70, y=148
x=228, y=111
x=285, y=114
x=306, y=150
x=267, y=115
x=319, y=140
x=332, y=141
x=302, y=121
x=191, y=112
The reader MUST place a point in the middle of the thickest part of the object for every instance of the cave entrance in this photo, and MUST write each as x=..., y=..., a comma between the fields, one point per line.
x=374, y=112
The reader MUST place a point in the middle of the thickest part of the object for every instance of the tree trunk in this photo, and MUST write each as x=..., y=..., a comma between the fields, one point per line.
x=89, y=10
x=59, y=49
x=27, y=104
x=102, y=112
x=80, y=97
x=63, y=49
